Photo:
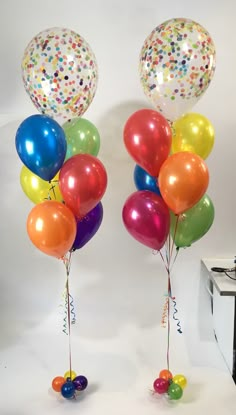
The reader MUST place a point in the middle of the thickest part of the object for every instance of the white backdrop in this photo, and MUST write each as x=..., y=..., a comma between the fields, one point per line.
x=117, y=284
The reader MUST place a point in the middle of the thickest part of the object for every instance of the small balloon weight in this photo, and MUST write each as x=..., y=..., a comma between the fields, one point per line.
x=143, y=180
x=68, y=390
x=57, y=383
x=80, y=382
x=87, y=227
x=183, y=180
x=41, y=145
x=165, y=374
x=193, y=224
x=83, y=182
x=51, y=227
x=70, y=374
x=37, y=189
x=147, y=137
x=193, y=132
x=60, y=73
x=70, y=384
x=82, y=137
x=161, y=385
x=180, y=380
x=146, y=217
x=170, y=385
x=175, y=391
x=176, y=66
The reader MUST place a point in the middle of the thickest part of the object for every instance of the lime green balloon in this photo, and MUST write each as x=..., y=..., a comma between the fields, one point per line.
x=175, y=391
x=82, y=137
x=193, y=224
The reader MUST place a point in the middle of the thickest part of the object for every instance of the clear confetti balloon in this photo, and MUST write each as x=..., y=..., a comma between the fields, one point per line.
x=176, y=66
x=60, y=73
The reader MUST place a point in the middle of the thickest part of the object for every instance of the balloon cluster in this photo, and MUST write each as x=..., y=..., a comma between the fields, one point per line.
x=168, y=384
x=70, y=384
x=61, y=173
x=177, y=63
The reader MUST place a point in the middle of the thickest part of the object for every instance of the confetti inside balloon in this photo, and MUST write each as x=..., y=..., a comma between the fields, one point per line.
x=177, y=64
x=60, y=73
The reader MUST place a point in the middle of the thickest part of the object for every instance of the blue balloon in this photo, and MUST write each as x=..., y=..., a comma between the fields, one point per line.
x=41, y=145
x=143, y=180
x=68, y=390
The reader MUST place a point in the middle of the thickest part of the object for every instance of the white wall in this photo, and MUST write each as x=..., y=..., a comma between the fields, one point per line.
x=118, y=283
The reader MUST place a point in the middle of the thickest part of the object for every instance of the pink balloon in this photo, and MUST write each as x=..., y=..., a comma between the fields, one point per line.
x=147, y=137
x=82, y=181
x=147, y=218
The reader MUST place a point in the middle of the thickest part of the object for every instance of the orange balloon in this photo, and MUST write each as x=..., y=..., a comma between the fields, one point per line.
x=57, y=383
x=51, y=227
x=165, y=374
x=183, y=180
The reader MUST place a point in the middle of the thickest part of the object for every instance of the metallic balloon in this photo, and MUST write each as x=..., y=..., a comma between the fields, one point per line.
x=144, y=181
x=193, y=132
x=146, y=217
x=193, y=224
x=51, y=227
x=82, y=181
x=87, y=227
x=82, y=137
x=41, y=145
x=147, y=137
x=183, y=180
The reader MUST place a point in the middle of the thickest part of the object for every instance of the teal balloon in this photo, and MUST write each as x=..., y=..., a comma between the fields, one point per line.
x=82, y=137
x=175, y=391
x=193, y=224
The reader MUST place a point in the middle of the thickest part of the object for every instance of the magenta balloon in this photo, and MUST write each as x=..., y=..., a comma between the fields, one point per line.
x=147, y=218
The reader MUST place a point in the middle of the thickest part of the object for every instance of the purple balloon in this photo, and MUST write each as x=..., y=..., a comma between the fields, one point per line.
x=80, y=383
x=87, y=227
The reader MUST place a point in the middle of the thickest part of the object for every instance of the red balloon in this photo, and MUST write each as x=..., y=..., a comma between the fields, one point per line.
x=147, y=218
x=82, y=181
x=148, y=137
x=161, y=385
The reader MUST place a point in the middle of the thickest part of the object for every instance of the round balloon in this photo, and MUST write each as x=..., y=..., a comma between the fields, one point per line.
x=193, y=132
x=147, y=137
x=41, y=145
x=183, y=180
x=39, y=190
x=193, y=224
x=146, y=217
x=176, y=65
x=87, y=227
x=60, y=73
x=143, y=180
x=51, y=227
x=82, y=181
x=82, y=137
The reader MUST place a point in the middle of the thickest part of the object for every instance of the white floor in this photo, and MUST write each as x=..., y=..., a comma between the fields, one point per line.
x=117, y=342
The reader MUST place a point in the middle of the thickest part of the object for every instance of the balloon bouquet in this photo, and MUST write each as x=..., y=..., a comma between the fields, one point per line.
x=170, y=207
x=61, y=173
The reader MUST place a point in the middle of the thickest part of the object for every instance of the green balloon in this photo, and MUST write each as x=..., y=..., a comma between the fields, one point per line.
x=192, y=224
x=82, y=137
x=175, y=391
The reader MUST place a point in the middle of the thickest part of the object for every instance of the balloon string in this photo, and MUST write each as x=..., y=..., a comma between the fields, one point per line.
x=67, y=263
x=168, y=323
x=173, y=239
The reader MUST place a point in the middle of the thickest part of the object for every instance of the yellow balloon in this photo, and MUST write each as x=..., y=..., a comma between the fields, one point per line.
x=37, y=189
x=180, y=380
x=69, y=374
x=193, y=132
